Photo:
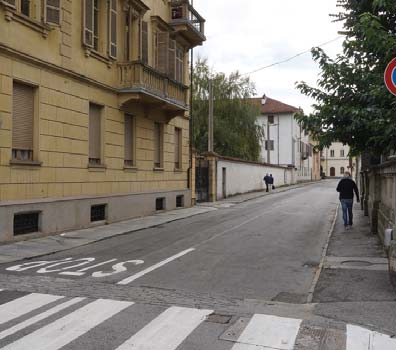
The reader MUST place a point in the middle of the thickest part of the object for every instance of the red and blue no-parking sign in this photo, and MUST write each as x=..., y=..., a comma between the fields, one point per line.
x=390, y=76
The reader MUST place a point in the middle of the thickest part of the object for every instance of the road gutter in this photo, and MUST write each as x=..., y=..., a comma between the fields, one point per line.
x=322, y=259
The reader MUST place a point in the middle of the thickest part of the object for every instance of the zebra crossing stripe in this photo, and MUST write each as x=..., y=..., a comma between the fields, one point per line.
x=39, y=317
x=359, y=338
x=68, y=328
x=24, y=305
x=265, y=331
x=168, y=330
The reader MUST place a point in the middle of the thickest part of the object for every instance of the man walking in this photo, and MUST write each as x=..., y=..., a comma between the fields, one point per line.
x=346, y=187
x=267, y=180
x=272, y=187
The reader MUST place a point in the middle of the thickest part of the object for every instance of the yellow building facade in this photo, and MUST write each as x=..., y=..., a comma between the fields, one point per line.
x=94, y=101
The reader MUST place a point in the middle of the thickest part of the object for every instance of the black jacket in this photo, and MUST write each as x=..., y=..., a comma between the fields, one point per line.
x=267, y=179
x=346, y=187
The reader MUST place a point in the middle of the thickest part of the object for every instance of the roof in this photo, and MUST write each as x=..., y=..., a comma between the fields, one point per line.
x=274, y=106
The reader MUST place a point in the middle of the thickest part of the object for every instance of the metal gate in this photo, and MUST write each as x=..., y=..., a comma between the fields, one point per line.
x=202, y=179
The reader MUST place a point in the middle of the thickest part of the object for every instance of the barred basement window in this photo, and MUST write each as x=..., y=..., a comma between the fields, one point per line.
x=26, y=223
x=160, y=204
x=180, y=201
x=98, y=212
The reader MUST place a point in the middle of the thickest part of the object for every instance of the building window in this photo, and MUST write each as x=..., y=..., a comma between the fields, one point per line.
x=129, y=159
x=160, y=204
x=178, y=148
x=332, y=171
x=113, y=29
x=342, y=170
x=25, y=7
x=269, y=145
x=95, y=134
x=332, y=153
x=52, y=11
x=162, y=52
x=270, y=119
x=91, y=24
x=180, y=201
x=179, y=63
x=158, y=147
x=342, y=153
x=22, y=122
x=26, y=223
x=98, y=212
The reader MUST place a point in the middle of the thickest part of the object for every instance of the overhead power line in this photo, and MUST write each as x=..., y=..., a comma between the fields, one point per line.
x=291, y=58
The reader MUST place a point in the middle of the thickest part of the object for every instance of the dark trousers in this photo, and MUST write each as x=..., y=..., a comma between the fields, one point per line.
x=266, y=187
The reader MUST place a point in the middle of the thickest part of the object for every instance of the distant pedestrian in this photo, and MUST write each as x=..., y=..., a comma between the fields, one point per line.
x=346, y=187
x=272, y=187
x=267, y=181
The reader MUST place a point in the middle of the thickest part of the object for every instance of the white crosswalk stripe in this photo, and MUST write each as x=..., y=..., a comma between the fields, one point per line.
x=175, y=328
x=264, y=331
x=167, y=331
x=24, y=305
x=63, y=331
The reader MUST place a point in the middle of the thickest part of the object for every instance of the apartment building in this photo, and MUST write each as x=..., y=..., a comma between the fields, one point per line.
x=285, y=142
x=335, y=161
x=94, y=101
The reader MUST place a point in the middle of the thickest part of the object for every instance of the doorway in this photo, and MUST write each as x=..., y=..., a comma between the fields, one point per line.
x=224, y=182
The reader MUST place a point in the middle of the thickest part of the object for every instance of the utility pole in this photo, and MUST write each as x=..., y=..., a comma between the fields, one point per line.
x=210, y=121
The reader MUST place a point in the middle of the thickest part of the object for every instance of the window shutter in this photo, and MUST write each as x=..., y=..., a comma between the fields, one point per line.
x=22, y=117
x=177, y=148
x=145, y=42
x=113, y=29
x=172, y=59
x=128, y=139
x=94, y=133
x=162, y=52
x=88, y=22
x=157, y=145
x=52, y=11
x=179, y=64
x=10, y=2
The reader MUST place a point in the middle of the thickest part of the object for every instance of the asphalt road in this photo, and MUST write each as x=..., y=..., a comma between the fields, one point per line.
x=242, y=263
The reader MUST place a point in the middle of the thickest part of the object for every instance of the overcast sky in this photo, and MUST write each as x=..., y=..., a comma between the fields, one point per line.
x=249, y=34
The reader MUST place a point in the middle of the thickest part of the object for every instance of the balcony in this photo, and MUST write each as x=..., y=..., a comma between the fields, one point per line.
x=143, y=84
x=186, y=21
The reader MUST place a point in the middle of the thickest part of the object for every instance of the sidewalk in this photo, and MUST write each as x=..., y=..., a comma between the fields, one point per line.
x=69, y=240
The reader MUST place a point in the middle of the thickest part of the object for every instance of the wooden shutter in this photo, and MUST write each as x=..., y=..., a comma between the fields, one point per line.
x=157, y=145
x=52, y=11
x=22, y=117
x=113, y=29
x=179, y=64
x=145, y=42
x=172, y=59
x=177, y=148
x=94, y=133
x=162, y=52
x=88, y=8
x=129, y=139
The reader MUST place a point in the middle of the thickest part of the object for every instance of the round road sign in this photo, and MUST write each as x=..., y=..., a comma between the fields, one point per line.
x=390, y=76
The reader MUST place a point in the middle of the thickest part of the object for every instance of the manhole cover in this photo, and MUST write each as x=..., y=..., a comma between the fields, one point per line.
x=216, y=318
x=356, y=263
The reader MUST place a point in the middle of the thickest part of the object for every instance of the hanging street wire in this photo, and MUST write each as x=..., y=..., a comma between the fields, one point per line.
x=290, y=58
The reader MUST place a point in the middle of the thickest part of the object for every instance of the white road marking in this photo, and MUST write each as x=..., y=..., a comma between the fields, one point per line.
x=61, y=332
x=81, y=272
x=117, y=268
x=154, y=267
x=359, y=338
x=167, y=331
x=24, y=305
x=39, y=317
x=269, y=332
x=85, y=261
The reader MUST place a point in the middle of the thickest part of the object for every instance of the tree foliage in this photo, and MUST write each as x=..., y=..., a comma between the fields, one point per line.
x=353, y=105
x=236, y=133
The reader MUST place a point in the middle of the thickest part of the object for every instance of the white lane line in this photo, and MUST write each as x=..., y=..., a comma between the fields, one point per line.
x=39, y=317
x=24, y=305
x=167, y=331
x=154, y=267
x=359, y=338
x=269, y=332
x=61, y=332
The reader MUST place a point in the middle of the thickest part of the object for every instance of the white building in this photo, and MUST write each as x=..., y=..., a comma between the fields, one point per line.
x=285, y=142
x=335, y=160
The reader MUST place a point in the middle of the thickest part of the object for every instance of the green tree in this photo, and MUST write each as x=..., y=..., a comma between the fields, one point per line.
x=236, y=133
x=353, y=105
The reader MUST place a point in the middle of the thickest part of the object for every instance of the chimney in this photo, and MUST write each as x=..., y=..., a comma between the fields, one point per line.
x=264, y=100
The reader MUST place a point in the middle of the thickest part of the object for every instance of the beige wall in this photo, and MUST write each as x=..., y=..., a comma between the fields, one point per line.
x=338, y=161
x=67, y=78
